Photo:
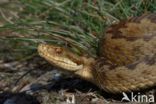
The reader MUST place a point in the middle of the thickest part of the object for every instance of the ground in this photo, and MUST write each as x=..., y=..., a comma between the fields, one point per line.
x=35, y=81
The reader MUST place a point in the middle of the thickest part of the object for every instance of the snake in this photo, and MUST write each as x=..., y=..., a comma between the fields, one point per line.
x=126, y=60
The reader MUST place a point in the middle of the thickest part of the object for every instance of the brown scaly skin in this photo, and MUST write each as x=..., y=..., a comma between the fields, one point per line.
x=127, y=58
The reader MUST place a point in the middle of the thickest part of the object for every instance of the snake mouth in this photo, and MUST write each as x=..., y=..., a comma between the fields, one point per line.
x=60, y=57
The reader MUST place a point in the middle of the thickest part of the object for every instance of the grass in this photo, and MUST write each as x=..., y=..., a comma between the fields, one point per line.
x=75, y=24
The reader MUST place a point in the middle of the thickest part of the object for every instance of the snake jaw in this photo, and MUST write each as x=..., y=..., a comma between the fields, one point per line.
x=60, y=57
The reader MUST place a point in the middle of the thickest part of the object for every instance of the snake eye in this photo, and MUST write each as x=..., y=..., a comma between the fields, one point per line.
x=58, y=50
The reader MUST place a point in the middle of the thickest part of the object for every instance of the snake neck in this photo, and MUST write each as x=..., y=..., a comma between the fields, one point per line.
x=87, y=71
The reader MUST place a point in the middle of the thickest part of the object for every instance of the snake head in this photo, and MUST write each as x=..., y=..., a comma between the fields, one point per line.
x=66, y=60
x=60, y=57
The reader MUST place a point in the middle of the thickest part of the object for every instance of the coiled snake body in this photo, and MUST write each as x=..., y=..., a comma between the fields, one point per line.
x=127, y=58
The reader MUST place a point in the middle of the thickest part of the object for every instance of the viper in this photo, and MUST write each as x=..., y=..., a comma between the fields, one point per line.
x=127, y=60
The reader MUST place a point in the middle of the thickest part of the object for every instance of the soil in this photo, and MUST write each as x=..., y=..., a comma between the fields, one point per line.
x=35, y=81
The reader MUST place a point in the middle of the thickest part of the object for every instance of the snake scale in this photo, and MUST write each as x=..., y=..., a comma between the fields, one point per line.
x=127, y=60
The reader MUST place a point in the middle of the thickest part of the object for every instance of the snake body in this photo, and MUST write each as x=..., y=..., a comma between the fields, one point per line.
x=127, y=59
